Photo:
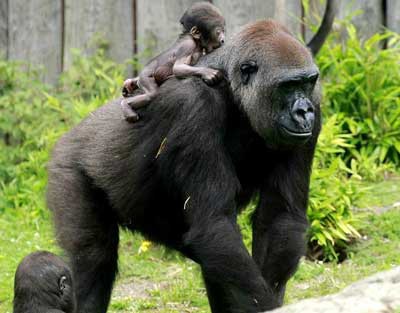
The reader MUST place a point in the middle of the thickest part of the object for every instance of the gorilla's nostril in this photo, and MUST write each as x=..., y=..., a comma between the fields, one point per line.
x=301, y=112
x=301, y=107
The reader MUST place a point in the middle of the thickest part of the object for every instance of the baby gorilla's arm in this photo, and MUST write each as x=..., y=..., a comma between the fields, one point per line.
x=182, y=68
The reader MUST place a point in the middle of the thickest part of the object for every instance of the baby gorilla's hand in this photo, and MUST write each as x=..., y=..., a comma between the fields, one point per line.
x=211, y=76
x=130, y=85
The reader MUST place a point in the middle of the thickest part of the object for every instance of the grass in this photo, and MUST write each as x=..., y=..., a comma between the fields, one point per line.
x=381, y=194
x=160, y=280
x=18, y=237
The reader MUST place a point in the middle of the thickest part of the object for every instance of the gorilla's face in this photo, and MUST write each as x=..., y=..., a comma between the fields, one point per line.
x=275, y=81
x=293, y=108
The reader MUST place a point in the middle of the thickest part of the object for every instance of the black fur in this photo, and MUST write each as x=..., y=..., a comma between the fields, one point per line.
x=43, y=284
x=182, y=174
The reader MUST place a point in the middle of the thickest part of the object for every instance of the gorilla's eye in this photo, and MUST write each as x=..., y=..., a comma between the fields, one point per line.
x=313, y=78
x=246, y=69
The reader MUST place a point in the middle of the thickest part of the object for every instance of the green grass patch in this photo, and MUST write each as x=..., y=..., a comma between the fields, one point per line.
x=381, y=193
x=18, y=237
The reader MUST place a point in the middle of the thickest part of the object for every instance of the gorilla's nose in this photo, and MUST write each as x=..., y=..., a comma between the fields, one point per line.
x=303, y=113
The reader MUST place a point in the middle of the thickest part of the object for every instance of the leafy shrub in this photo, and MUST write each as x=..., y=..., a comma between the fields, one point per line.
x=332, y=194
x=245, y=222
x=362, y=81
x=93, y=77
x=23, y=118
x=33, y=116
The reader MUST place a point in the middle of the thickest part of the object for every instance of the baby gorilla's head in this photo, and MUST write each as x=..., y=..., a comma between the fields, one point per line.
x=43, y=283
x=206, y=25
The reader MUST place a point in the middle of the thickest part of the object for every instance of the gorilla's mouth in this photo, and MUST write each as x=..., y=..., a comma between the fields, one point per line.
x=295, y=133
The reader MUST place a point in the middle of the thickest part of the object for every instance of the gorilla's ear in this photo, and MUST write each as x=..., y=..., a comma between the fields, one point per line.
x=62, y=284
x=246, y=69
x=195, y=32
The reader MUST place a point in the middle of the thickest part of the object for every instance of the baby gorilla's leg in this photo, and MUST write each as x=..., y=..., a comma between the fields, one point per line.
x=150, y=88
x=129, y=114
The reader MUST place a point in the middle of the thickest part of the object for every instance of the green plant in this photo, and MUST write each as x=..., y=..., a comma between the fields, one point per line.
x=34, y=115
x=333, y=192
x=245, y=222
x=93, y=77
x=362, y=81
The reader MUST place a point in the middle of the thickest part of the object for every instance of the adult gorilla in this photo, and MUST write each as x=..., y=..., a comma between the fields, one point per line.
x=181, y=175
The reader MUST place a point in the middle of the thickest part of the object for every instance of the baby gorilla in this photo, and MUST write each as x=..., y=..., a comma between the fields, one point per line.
x=43, y=284
x=203, y=31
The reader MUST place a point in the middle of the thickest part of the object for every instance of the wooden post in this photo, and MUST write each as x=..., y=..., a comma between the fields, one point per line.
x=35, y=35
x=86, y=20
x=393, y=15
x=4, y=28
x=313, y=17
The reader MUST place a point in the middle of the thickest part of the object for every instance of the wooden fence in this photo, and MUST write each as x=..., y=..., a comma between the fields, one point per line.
x=43, y=32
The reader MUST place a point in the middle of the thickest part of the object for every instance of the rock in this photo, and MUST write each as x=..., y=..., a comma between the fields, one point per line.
x=379, y=293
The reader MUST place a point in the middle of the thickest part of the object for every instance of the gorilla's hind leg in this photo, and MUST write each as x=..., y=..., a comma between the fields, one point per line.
x=94, y=270
x=87, y=230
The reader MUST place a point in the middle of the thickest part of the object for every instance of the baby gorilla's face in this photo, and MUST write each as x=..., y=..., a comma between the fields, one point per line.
x=217, y=39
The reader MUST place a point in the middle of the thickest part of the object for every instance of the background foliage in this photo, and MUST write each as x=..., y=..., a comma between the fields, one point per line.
x=360, y=138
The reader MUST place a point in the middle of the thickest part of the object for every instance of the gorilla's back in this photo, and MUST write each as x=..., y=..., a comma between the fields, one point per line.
x=124, y=160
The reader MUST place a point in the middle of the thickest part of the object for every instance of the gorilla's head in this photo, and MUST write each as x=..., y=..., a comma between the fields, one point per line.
x=275, y=81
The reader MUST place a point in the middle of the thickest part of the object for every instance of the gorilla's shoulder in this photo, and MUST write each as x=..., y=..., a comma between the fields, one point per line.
x=192, y=97
x=109, y=111
x=193, y=88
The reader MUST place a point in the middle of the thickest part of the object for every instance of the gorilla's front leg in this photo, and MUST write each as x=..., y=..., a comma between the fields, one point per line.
x=278, y=249
x=234, y=282
x=278, y=240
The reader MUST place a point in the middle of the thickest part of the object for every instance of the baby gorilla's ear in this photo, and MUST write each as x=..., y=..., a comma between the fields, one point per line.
x=195, y=32
x=62, y=284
